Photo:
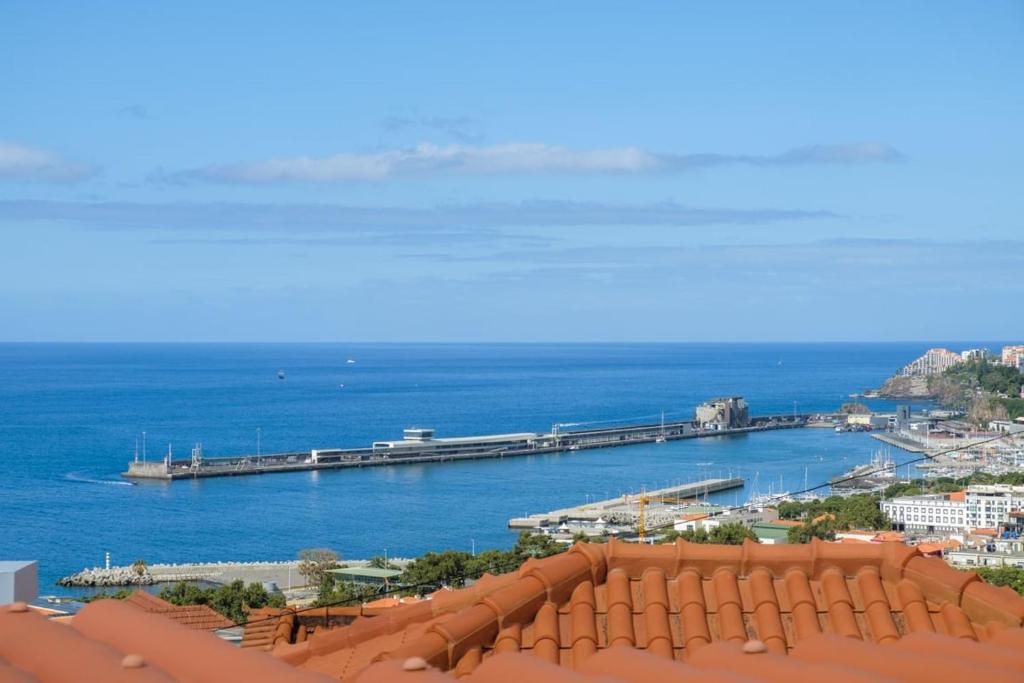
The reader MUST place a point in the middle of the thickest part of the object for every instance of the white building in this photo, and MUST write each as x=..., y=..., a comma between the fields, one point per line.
x=940, y=512
x=988, y=506
x=1012, y=354
x=979, y=507
x=933, y=362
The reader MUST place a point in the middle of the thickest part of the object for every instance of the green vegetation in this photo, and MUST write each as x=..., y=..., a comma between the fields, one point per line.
x=334, y=592
x=140, y=567
x=119, y=594
x=986, y=390
x=854, y=408
x=859, y=511
x=825, y=529
x=314, y=564
x=233, y=600
x=823, y=518
x=453, y=567
x=378, y=562
x=917, y=487
x=733, y=533
x=1003, y=576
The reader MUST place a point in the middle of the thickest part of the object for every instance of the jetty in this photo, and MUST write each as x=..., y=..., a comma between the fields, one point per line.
x=420, y=445
x=625, y=509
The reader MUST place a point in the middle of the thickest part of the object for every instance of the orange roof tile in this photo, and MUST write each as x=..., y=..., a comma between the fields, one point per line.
x=115, y=642
x=196, y=617
x=890, y=537
x=597, y=613
x=937, y=547
x=689, y=608
x=958, y=496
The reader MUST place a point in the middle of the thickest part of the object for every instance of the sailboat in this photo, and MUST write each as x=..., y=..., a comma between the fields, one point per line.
x=661, y=437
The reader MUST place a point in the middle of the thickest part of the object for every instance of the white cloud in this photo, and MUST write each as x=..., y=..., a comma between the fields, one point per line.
x=427, y=159
x=511, y=158
x=23, y=163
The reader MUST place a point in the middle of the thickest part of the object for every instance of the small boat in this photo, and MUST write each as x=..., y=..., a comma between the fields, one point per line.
x=341, y=386
x=350, y=361
x=661, y=437
x=280, y=374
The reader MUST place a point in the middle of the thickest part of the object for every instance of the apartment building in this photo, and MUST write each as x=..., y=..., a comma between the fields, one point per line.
x=979, y=507
x=989, y=506
x=932, y=513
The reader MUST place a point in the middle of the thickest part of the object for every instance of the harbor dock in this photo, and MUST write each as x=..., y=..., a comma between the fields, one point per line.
x=625, y=509
x=421, y=446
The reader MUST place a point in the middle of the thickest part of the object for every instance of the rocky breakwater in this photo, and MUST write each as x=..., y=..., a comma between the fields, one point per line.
x=101, y=577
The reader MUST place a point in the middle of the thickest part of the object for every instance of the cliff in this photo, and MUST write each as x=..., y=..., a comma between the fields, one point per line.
x=906, y=387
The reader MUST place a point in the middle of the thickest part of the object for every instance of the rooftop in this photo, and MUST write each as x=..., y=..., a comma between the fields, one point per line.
x=620, y=609
x=366, y=572
x=611, y=612
x=196, y=617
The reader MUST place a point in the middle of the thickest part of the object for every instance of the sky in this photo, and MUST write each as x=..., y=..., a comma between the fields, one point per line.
x=534, y=171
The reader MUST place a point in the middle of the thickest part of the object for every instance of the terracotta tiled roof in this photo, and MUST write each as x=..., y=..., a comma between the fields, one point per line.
x=958, y=496
x=197, y=617
x=114, y=642
x=632, y=612
x=267, y=627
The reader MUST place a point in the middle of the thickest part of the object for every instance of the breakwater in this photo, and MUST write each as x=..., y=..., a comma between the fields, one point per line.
x=420, y=445
x=283, y=573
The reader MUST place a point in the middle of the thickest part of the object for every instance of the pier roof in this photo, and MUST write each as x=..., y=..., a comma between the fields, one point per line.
x=629, y=612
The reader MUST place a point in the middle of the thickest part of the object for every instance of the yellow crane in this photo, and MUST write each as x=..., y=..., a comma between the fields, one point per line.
x=641, y=518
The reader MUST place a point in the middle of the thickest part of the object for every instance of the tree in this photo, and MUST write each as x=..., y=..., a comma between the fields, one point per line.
x=314, y=563
x=732, y=533
x=1004, y=576
x=536, y=545
x=233, y=600
x=824, y=529
x=447, y=568
x=378, y=562
x=139, y=567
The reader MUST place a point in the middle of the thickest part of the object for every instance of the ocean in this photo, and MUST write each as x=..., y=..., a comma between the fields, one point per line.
x=72, y=414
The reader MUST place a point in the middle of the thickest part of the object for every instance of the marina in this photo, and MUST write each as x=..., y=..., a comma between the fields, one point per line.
x=657, y=508
x=420, y=445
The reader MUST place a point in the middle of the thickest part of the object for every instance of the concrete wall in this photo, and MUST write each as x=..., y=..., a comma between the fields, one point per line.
x=19, y=581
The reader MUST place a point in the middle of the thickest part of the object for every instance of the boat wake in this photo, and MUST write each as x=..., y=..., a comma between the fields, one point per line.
x=79, y=479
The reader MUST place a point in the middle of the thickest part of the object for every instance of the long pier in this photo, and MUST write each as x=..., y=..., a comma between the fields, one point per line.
x=420, y=446
x=624, y=509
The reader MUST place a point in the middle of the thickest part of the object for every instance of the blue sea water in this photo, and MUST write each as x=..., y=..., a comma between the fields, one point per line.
x=70, y=416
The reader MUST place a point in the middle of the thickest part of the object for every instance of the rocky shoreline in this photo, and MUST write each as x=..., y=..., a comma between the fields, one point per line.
x=910, y=387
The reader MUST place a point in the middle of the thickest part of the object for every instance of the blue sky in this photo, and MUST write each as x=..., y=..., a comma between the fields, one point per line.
x=542, y=171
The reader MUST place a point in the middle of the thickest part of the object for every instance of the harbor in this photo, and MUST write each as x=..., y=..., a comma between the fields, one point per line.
x=718, y=417
x=656, y=508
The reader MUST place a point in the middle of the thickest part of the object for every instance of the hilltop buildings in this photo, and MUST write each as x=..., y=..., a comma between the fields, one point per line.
x=933, y=362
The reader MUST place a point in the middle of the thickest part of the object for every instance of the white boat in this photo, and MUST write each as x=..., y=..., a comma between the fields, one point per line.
x=661, y=437
x=350, y=361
